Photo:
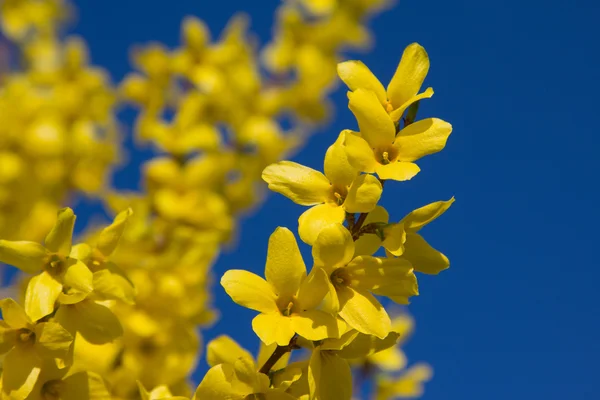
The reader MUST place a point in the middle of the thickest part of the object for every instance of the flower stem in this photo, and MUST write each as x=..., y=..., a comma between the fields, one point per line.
x=279, y=352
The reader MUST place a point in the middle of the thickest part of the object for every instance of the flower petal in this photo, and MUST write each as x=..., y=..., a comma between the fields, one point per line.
x=85, y=385
x=398, y=171
x=224, y=349
x=21, y=370
x=78, y=276
x=374, y=123
x=423, y=257
x=357, y=75
x=420, y=217
x=337, y=168
x=363, y=312
x=312, y=290
x=367, y=245
x=60, y=237
x=409, y=76
x=333, y=248
x=315, y=219
x=397, y=113
x=52, y=340
x=109, y=237
x=112, y=283
x=316, y=325
x=370, y=273
x=302, y=185
x=329, y=376
x=422, y=138
x=360, y=153
x=14, y=315
x=273, y=328
x=249, y=290
x=363, y=195
x=217, y=384
x=27, y=256
x=394, y=238
x=42, y=292
x=95, y=322
x=366, y=345
x=285, y=268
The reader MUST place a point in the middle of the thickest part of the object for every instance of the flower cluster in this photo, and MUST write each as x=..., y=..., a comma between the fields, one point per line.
x=333, y=310
x=117, y=315
x=58, y=134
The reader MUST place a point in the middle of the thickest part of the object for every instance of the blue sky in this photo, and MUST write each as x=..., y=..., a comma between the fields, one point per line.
x=514, y=315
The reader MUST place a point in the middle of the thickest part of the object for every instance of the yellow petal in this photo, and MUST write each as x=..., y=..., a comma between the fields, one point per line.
x=52, y=340
x=315, y=325
x=333, y=248
x=273, y=328
x=366, y=345
x=42, y=292
x=109, y=237
x=312, y=290
x=394, y=237
x=315, y=219
x=422, y=138
x=398, y=171
x=81, y=251
x=363, y=194
x=420, y=217
x=60, y=237
x=340, y=343
x=113, y=284
x=357, y=75
x=301, y=184
x=423, y=257
x=360, y=153
x=21, y=370
x=367, y=245
x=363, y=312
x=27, y=256
x=217, y=384
x=409, y=76
x=397, y=113
x=78, y=276
x=392, y=359
x=249, y=290
x=85, y=385
x=14, y=315
x=329, y=376
x=376, y=126
x=337, y=168
x=95, y=322
x=224, y=349
x=368, y=273
x=285, y=268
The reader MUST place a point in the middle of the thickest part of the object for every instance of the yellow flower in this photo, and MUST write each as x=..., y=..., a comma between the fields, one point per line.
x=27, y=345
x=404, y=87
x=403, y=240
x=109, y=280
x=62, y=278
x=341, y=189
x=234, y=375
x=56, y=383
x=288, y=299
x=353, y=279
x=378, y=149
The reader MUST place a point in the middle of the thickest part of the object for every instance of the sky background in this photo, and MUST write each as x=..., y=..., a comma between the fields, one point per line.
x=514, y=315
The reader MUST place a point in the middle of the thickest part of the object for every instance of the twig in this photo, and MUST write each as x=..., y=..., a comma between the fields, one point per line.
x=279, y=352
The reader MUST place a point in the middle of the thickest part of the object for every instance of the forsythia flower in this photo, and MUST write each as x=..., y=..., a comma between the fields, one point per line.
x=339, y=191
x=377, y=148
x=62, y=277
x=403, y=240
x=353, y=279
x=288, y=299
x=402, y=90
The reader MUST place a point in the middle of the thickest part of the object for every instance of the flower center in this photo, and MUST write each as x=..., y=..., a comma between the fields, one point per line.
x=339, y=278
x=51, y=390
x=338, y=194
x=25, y=335
x=55, y=264
x=288, y=310
x=387, y=155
